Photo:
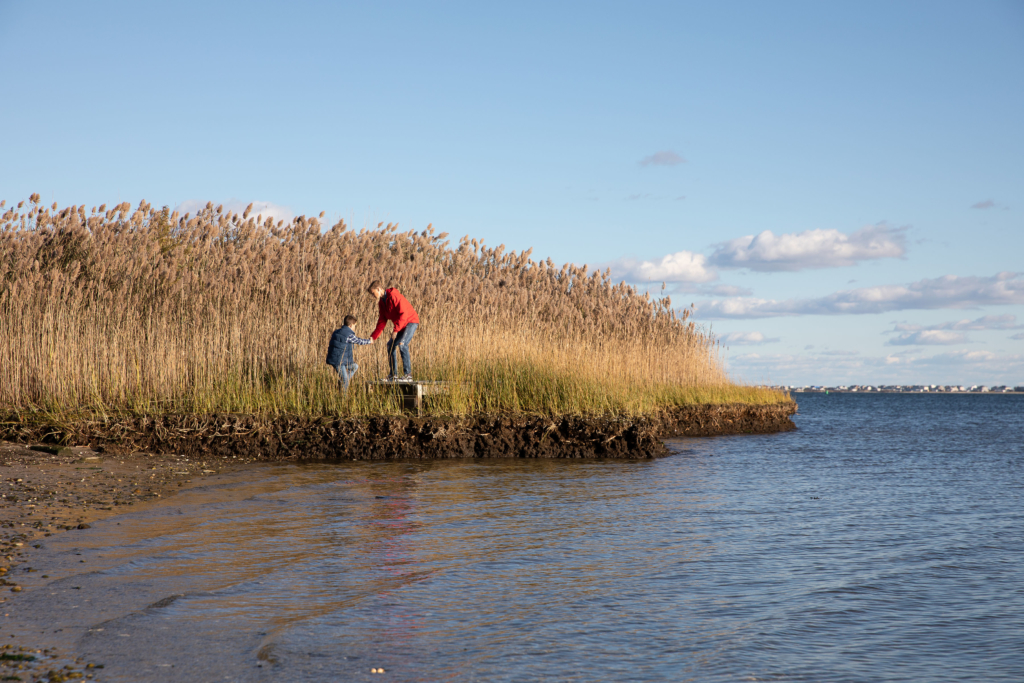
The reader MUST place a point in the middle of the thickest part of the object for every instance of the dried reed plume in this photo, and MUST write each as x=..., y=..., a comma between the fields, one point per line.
x=144, y=311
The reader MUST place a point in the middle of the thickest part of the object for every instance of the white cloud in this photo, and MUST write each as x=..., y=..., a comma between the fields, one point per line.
x=986, y=322
x=986, y=204
x=929, y=337
x=745, y=338
x=665, y=158
x=682, y=266
x=1018, y=336
x=259, y=208
x=809, y=249
x=948, y=291
x=764, y=252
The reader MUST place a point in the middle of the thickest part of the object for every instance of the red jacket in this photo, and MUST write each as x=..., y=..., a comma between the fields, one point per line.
x=396, y=308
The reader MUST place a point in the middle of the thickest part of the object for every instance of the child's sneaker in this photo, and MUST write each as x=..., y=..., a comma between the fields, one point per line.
x=407, y=378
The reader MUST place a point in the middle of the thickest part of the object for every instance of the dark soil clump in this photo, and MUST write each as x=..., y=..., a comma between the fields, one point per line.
x=389, y=438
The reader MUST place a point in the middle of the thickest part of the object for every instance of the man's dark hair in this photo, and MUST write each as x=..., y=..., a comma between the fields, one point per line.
x=374, y=285
x=349, y=319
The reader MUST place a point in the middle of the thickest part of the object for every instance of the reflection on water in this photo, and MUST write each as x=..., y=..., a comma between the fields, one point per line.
x=879, y=542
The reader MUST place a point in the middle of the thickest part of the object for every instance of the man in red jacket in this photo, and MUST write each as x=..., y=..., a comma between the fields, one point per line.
x=396, y=308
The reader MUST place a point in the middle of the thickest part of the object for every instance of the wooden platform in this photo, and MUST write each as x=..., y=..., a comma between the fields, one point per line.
x=413, y=391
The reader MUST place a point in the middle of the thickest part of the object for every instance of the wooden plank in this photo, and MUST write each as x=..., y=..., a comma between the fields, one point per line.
x=413, y=391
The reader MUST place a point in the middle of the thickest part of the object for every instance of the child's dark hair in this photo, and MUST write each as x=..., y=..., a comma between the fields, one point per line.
x=349, y=319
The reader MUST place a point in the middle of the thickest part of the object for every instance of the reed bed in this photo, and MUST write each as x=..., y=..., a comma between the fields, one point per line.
x=144, y=311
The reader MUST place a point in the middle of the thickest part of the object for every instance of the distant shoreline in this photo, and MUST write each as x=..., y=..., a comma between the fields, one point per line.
x=902, y=391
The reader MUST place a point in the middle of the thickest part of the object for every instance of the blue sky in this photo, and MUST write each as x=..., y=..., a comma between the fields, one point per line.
x=879, y=144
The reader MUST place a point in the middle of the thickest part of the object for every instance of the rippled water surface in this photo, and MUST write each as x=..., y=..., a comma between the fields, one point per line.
x=881, y=541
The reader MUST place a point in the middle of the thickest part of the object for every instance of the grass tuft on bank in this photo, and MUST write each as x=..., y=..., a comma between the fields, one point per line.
x=146, y=312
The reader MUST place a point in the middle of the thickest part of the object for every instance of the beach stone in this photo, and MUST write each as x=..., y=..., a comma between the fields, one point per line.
x=52, y=450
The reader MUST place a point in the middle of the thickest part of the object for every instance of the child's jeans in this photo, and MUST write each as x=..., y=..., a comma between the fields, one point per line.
x=401, y=341
x=346, y=372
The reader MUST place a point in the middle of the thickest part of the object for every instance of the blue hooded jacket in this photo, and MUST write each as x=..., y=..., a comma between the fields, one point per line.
x=339, y=350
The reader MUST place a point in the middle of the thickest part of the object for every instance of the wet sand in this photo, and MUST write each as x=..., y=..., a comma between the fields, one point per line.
x=46, y=491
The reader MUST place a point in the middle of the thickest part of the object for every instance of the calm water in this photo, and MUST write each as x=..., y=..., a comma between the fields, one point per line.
x=881, y=541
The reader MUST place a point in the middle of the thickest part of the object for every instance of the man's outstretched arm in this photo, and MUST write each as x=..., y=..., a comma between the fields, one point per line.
x=382, y=321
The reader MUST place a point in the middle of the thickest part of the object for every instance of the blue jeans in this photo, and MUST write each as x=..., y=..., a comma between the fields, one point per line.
x=346, y=372
x=401, y=341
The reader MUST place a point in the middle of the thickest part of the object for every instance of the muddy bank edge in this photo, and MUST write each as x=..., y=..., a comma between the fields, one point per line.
x=388, y=438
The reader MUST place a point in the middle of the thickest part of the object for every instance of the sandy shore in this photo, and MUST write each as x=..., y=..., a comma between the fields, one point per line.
x=46, y=491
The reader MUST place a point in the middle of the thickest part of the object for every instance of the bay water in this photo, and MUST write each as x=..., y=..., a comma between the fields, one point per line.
x=881, y=541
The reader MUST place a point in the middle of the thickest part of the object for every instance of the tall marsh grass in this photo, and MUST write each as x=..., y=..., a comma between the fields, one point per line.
x=143, y=311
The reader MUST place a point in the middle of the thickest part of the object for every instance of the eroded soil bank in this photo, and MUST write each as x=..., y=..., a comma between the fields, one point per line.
x=387, y=438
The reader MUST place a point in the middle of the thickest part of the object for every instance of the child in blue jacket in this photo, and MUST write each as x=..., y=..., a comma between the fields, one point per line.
x=339, y=351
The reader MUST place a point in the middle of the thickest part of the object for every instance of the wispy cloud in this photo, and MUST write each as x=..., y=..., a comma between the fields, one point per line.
x=986, y=204
x=965, y=357
x=682, y=266
x=697, y=289
x=948, y=291
x=1018, y=336
x=259, y=208
x=665, y=158
x=810, y=249
x=951, y=332
x=986, y=322
x=899, y=367
x=726, y=290
x=928, y=337
x=745, y=338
